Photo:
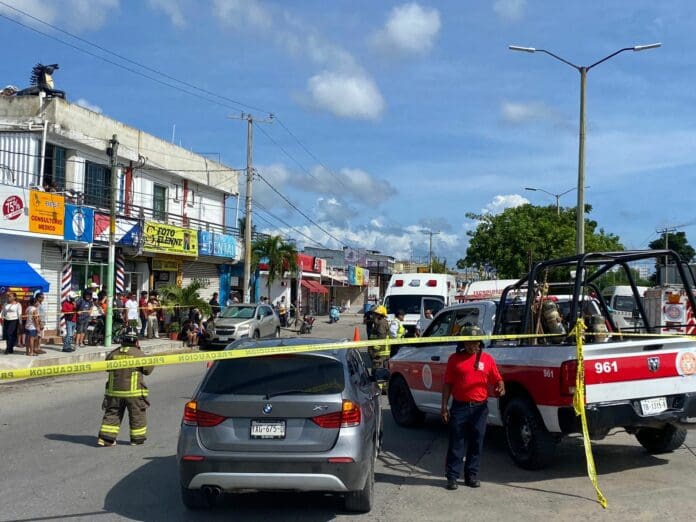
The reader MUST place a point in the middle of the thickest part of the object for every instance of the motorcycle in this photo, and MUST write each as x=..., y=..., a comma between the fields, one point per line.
x=96, y=329
x=334, y=314
x=307, y=324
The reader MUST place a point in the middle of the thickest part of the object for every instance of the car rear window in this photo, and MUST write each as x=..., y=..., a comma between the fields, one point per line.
x=274, y=374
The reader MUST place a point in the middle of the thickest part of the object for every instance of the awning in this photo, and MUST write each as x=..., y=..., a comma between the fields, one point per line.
x=314, y=287
x=18, y=274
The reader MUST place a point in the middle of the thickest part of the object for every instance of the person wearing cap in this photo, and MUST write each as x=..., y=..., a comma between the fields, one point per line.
x=125, y=390
x=469, y=373
x=68, y=309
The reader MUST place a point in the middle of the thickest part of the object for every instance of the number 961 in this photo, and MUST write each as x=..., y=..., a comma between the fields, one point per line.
x=606, y=367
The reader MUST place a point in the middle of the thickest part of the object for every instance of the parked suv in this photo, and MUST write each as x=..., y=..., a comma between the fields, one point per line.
x=288, y=422
x=239, y=321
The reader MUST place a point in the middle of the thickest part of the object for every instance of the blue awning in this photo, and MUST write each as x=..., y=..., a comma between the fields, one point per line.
x=18, y=273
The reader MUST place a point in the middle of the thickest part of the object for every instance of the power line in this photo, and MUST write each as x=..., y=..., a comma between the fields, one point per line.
x=282, y=221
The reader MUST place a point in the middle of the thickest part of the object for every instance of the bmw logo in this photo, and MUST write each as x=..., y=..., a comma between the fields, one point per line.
x=267, y=408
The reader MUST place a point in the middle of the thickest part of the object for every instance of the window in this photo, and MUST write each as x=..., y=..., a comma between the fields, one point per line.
x=97, y=185
x=465, y=317
x=54, y=168
x=159, y=203
x=440, y=326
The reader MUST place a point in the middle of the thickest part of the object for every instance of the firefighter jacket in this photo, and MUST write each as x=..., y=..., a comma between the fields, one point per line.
x=380, y=330
x=127, y=382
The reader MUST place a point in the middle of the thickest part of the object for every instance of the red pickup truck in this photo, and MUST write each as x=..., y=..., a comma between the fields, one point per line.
x=644, y=384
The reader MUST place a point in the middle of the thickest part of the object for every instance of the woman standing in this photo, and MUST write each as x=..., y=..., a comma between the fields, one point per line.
x=11, y=315
x=32, y=327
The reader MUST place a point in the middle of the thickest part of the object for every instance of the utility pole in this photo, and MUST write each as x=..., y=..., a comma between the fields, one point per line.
x=113, y=153
x=247, y=200
x=430, y=249
x=667, y=231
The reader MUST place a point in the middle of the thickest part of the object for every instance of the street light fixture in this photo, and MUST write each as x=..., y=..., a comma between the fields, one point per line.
x=580, y=212
x=557, y=196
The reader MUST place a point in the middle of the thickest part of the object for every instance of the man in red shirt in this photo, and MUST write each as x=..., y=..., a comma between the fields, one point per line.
x=469, y=373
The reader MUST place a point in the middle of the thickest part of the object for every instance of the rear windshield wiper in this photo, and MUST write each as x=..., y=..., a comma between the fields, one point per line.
x=288, y=392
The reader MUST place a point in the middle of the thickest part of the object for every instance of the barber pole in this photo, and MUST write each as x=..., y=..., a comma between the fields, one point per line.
x=65, y=283
x=120, y=273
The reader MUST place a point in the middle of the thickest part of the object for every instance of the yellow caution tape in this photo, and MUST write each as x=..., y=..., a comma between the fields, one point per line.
x=579, y=405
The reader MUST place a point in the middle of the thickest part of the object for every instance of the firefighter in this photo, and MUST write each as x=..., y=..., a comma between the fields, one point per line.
x=125, y=390
x=380, y=330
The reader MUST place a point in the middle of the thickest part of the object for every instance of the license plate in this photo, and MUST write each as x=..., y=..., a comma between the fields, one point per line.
x=223, y=337
x=267, y=429
x=90, y=328
x=653, y=406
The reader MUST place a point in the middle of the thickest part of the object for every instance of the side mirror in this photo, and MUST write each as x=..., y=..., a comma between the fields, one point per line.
x=380, y=375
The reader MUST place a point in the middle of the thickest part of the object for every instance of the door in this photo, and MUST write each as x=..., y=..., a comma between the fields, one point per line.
x=434, y=304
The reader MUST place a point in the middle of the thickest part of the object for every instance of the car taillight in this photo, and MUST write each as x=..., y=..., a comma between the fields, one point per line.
x=203, y=419
x=569, y=370
x=348, y=416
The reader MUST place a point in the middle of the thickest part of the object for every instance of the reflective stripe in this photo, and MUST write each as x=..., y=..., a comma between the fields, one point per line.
x=136, y=393
x=139, y=431
x=109, y=428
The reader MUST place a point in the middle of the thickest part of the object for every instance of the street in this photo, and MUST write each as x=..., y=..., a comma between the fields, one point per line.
x=52, y=470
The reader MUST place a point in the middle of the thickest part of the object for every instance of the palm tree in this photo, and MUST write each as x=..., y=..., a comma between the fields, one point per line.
x=279, y=256
x=184, y=299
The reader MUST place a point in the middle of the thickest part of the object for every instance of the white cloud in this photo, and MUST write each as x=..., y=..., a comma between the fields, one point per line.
x=347, y=95
x=172, y=8
x=87, y=105
x=501, y=202
x=243, y=12
x=346, y=184
x=81, y=15
x=410, y=29
x=520, y=113
x=510, y=10
x=330, y=210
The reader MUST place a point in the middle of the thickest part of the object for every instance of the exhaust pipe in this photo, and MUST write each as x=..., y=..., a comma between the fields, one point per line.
x=212, y=492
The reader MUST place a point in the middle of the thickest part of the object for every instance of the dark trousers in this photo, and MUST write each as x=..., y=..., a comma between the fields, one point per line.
x=114, y=410
x=467, y=429
x=9, y=333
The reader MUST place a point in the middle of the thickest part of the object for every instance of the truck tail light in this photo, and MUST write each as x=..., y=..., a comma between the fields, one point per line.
x=569, y=370
x=203, y=419
x=348, y=417
x=399, y=282
x=431, y=282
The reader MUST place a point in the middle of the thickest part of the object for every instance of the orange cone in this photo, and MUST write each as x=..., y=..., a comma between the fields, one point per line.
x=356, y=334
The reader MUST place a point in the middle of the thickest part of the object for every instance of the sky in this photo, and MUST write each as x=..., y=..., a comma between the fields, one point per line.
x=391, y=118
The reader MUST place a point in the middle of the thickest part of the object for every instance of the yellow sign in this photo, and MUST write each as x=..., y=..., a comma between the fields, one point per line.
x=46, y=213
x=166, y=265
x=169, y=239
x=359, y=281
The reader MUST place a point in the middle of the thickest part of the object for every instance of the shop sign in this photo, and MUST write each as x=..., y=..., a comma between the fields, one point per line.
x=356, y=276
x=165, y=265
x=46, y=213
x=15, y=210
x=205, y=243
x=79, y=224
x=127, y=230
x=159, y=237
x=224, y=245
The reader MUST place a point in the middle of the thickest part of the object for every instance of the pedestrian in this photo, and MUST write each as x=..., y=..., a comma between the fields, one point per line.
x=68, y=309
x=423, y=322
x=396, y=326
x=152, y=326
x=130, y=313
x=125, y=390
x=41, y=307
x=142, y=307
x=214, y=305
x=83, y=307
x=32, y=327
x=282, y=312
x=468, y=374
x=11, y=320
x=369, y=319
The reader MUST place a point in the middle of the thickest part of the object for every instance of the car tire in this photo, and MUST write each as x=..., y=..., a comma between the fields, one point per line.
x=361, y=501
x=256, y=335
x=277, y=333
x=529, y=443
x=661, y=440
x=194, y=499
x=403, y=407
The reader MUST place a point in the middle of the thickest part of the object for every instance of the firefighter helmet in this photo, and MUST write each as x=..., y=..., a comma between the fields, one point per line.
x=129, y=339
x=381, y=310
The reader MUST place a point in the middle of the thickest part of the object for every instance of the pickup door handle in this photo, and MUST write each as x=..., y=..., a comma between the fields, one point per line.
x=435, y=358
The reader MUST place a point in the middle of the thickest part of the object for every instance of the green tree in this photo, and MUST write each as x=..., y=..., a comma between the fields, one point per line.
x=279, y=255
x=675, y=241
x=183, y=299
x=439, y=266
x=518, y=237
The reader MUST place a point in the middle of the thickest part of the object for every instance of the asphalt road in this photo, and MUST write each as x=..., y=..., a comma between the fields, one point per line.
x=50, y=468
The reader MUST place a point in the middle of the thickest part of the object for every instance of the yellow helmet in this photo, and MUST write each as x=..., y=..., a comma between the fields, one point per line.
x=380, y=310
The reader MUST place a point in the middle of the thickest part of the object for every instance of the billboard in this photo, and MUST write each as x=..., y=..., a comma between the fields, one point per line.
x=46, y=213
x=79, y=224
x=168, y=239
x=15, y=208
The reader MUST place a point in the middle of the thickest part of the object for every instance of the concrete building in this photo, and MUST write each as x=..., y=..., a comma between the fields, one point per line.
x=55, y=194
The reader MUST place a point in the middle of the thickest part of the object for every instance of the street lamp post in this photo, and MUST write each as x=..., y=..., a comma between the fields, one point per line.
x=557, y=196
x=583, y=70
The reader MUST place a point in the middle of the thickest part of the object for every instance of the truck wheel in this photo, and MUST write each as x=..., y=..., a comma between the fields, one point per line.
x=403, y=407
x=661, y=440
x=529, y=443
x=194, y=499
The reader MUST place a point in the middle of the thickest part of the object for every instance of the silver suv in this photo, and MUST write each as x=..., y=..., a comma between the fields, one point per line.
x=238, y=321
x=289, y=422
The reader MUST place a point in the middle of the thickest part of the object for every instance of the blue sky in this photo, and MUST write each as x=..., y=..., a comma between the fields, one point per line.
x=414, y=112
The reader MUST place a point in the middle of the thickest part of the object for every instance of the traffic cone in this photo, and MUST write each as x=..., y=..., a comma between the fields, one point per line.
x=356, y=334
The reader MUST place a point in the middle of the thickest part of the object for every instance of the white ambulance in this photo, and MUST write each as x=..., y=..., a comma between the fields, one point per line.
x=413, y=293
